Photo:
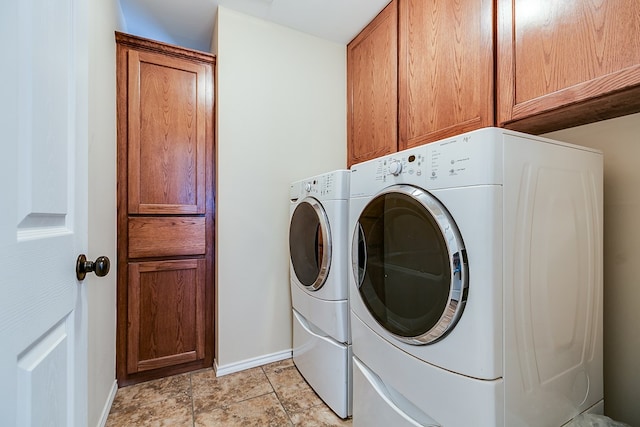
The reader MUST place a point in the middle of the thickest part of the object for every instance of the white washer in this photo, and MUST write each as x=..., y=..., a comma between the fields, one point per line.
x=476, y=283
x=319, y=287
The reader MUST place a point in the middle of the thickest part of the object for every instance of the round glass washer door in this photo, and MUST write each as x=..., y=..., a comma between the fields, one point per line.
x=310, y=243
x=410, y=265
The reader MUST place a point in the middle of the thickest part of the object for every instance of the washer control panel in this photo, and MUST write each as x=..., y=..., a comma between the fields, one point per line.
x=332, y=185
x=322, y=185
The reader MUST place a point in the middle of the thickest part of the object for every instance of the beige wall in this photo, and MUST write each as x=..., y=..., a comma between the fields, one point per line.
x=101, y=292
x=281, y=114
x=619, y=139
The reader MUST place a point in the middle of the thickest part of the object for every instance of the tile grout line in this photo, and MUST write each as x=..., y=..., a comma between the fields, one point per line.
x=273, y=377
x=193, y=409
x=277, y=396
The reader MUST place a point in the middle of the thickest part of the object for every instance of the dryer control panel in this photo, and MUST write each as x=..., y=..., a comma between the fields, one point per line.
x=406, y=167
x=473, y=158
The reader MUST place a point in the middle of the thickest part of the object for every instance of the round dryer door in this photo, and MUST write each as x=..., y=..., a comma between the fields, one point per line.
x=410, y=264
x=310, y=244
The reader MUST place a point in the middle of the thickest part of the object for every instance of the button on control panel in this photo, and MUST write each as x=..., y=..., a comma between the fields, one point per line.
x=407, y=164
x=320, y=186
x=449, y=158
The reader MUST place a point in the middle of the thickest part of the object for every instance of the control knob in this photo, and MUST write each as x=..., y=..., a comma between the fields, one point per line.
x=307, y=187
x=395, y=167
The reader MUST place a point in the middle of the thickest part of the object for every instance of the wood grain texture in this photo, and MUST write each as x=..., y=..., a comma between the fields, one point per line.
x=166, y=236
x=445, y=69
x=562, y=64
x=128, y=42
x=167, y=134
x=166, y=313
x=185, y=234
x=372, y=89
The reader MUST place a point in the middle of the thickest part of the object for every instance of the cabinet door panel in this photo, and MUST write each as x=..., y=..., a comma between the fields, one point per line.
x=166, y=313
x=166, y=236
x=445, y=68
x=562, y=64
x=167, y=134
x=372, y=89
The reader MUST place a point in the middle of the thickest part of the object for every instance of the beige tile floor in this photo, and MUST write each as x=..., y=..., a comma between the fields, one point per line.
x=271, y=395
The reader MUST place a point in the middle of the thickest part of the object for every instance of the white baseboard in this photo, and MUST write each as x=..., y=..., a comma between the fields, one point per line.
x=107, y=407
x=250, y=363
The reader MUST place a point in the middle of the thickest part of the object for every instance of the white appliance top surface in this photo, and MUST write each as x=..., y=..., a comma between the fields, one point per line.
x=472, y=158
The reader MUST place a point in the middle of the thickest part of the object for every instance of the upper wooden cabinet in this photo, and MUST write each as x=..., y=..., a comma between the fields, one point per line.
x=372, y=89
x=558, y=64
x=566, y=63
x=420, y=71
x=445, y=68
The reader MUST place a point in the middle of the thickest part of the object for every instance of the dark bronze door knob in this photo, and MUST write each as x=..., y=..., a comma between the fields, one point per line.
x=100, y=266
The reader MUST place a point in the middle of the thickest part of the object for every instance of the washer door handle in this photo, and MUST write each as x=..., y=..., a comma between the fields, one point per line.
x=359, y=255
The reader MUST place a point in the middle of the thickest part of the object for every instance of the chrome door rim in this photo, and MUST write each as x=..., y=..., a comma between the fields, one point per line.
x=458, y=286
x=326, y=236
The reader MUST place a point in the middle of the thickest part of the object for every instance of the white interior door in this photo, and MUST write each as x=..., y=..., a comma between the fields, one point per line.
x=43, y=215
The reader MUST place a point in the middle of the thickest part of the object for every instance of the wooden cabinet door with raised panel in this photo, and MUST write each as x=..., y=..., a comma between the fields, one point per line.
x=372, y=89
x=445, y=68
x=165, y=210
x=566, y=63
x=167, y=131
x=166, y=313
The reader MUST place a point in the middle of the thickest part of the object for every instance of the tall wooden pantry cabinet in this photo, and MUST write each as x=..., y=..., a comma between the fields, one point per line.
x=165, y=209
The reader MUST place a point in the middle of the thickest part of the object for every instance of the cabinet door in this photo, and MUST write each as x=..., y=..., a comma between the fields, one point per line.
x=445, y=68
x=566, y=63
x=372, y=105
x=166, y=313
x=167, y=134
x=166, y=236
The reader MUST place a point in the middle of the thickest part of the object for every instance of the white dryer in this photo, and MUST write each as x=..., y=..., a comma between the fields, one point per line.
x=476, y=283
x=319, y=287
